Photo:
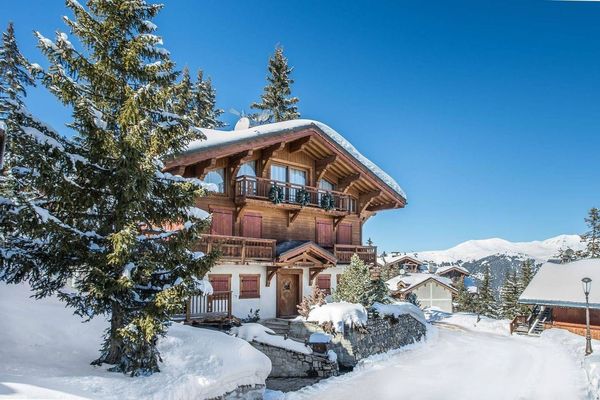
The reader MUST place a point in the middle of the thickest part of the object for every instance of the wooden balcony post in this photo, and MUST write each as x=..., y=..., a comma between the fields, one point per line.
x=243, y=251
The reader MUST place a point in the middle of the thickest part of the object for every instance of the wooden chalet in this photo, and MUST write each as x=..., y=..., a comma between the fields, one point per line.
x=454, y=272
x=399, y=262
x=288, y=212
x=556, y=299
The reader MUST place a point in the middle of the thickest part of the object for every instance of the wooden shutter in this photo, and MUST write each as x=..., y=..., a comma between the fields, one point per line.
x=324, y=283
x=222, y=222
x=252, y=225
x=249, y=286
x=344, y=234
x=325, y=233
x=220, y=282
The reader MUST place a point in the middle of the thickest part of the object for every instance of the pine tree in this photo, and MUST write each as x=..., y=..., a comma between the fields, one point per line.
x=509, y=296
x=568, y=255
x=277, y=97
x=204, y=113
x=592, y=237
x=358, y=286
x=486, y=302
x=526, y=274
x=369, y=242
x=109, y=215
x=464, y=299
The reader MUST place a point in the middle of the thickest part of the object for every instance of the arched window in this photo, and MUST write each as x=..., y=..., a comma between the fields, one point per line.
x=216, y=177
x=247, y=169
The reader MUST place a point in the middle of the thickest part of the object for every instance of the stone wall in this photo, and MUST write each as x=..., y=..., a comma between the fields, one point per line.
x=247, y=392
x=291, y=364
x=381, y=335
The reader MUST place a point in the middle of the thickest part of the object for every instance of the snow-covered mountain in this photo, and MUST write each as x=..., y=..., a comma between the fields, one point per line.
x=472, y=250
x=499, y=255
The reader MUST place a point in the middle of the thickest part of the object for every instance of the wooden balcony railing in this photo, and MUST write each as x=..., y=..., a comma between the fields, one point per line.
x=214, y=306
x=520, y=321
x=344, y=252
x=260, y=188
x=236, y=248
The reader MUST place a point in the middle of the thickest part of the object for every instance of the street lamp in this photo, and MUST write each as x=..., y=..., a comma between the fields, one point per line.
x=587, y=285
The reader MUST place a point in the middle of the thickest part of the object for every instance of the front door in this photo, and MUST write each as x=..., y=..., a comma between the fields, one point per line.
x=288, y=294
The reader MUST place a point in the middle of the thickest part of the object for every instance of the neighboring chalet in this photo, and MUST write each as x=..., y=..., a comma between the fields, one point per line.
x=431, y=290
x=556, y=297
x=454, y=272
x=400, y=261
x=288, y=213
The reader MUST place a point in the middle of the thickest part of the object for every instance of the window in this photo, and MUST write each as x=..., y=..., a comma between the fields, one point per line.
x=249, y=286
x=296, y=177
x=252, y=225
x=247, y=169
x=217, y=177
x=325, y=233
x=220, y=282
x=279, y=173
x=325, y=185
x=324, y=283
x=344, y=234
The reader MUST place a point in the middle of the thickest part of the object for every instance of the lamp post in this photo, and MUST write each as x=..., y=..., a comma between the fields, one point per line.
x=587, y=285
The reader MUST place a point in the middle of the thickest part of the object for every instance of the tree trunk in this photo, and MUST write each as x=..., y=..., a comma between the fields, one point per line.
x=113, y=348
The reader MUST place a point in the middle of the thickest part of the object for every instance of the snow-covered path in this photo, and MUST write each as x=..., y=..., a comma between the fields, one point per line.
x=459, y=364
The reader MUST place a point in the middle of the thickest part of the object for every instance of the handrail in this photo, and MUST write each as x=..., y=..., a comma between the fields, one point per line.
x=344, y=253
x=239, y=247
x=217, y=303
x=259, y=188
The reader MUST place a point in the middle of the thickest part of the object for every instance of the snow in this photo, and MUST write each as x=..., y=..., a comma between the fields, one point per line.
x=46, y=353
x=477, y=249
x=468, y=321
x=400, y=308
x=319, y=337
x=217, y=138
x=457, y=364
x=560, y=284
x=204, y=286
x=340, y=314
x=259, y=333
x=441, y=270
x=414, y=279
x=331, y=356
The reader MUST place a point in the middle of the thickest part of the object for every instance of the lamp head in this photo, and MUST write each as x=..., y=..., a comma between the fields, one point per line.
x=587, y=285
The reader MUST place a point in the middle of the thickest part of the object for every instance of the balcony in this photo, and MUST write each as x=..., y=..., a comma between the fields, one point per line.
x=344, y=252
x=236, y=248
x=250, y=187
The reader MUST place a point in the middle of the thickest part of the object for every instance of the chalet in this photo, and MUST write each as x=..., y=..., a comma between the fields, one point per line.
x=400, y=261
x=453, y=272
x=557, y=300
x=287, y=215
x=431, y=290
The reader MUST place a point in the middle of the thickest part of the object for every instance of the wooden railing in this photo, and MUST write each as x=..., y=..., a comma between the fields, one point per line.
x=344, y=252
x=260, y=188
x=216, y=305
x=237, y=248
x=519, y=320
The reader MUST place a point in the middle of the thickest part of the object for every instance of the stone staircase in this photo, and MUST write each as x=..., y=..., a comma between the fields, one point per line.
x=279, y=325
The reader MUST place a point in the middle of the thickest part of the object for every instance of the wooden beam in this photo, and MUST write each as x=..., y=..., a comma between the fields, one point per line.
x=299, y=144
x=312, y=274
x=271, y=271
x=365, y=199
x=322, y=165
x=238, y=212
x=337, y=220
x=292, y=215
x=347, y=181
x=385, y=206
x=200, y=169
x=267, y=155
x=236, y=160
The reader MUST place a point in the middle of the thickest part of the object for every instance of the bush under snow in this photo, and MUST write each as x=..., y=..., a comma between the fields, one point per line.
x=339, y=314
x=46, y=353
x=400, y=308
x=261, y=334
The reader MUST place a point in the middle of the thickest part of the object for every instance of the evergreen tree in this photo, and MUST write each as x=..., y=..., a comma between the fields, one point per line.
x=369, y=242
x=509, y=296
x=486, y=302
x=464, y=299
x=568, y=255
x=592, y=237
x=205, y=113
x=357, y=285
x=277, y=97
x=108, y=214
x=526, y=274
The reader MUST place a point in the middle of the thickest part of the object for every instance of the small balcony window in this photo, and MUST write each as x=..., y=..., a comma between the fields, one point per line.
x=216, y=177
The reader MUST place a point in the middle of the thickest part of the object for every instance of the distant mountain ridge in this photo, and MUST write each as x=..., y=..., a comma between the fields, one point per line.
x=499, y=255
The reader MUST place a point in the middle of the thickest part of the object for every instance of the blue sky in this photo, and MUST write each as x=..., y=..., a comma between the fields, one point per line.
x=487, y=113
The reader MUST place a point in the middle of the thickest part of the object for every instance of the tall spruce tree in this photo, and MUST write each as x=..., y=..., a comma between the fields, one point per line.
x=277, y=98
x=592, y=237
x=486, y=301
x=509, y=296
x=205, y=113
x=109, y=215
x=357, y=285
x=464, y=299
x=526, y=274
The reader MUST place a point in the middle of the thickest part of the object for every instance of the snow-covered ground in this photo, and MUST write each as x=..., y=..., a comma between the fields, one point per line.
x=45, y=353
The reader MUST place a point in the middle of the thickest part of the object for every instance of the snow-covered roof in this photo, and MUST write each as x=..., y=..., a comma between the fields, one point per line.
x=216, y=138
x=560, y=284
x=413, y=280
x=400, y=257
x=443, y=270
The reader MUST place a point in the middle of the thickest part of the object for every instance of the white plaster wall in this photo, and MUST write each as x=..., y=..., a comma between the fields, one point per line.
x=434, y=295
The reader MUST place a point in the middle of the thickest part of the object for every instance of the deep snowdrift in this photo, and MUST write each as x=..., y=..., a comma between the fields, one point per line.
x=46, y=353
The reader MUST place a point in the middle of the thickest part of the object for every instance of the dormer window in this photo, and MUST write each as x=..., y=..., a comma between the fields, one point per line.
x=217, y=177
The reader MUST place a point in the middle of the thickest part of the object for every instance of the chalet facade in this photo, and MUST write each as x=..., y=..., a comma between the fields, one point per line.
x=287, y=215
x=431, y=290
x=399, y=262
x=556, y=299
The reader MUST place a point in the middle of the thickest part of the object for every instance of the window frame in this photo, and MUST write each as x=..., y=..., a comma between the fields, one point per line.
x=224, y=176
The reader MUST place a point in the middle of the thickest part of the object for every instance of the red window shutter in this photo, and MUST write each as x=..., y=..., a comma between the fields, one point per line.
x=324, y=283
x=344, y=234
x=249, y=286
x=252, y=225
x=220, y=283
x=325, y=233
x=222, y=222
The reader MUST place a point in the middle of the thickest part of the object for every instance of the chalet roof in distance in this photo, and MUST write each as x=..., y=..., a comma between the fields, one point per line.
x=560, y=285
x=216, y=138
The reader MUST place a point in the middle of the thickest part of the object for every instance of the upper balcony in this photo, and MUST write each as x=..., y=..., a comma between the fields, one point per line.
x=293, y=195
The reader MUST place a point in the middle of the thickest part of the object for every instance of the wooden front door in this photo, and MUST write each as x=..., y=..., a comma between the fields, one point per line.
x=288, y=294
